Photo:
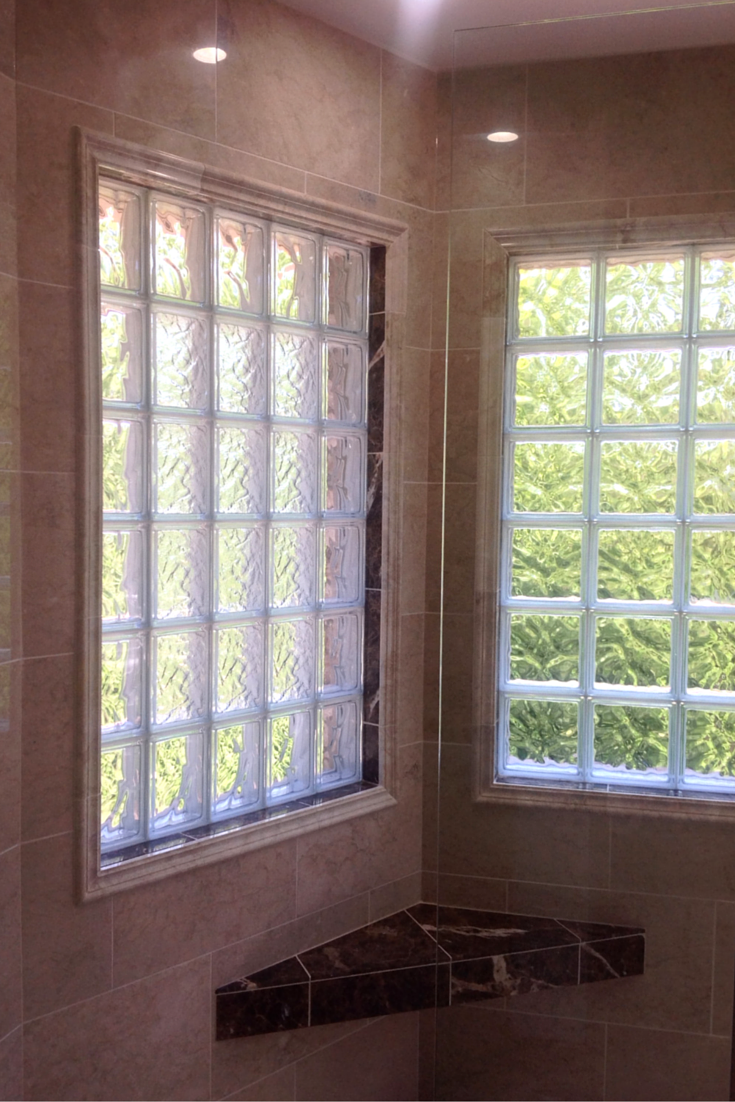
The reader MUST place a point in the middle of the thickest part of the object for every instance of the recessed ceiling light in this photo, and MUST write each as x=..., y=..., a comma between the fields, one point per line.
x=210, y=55
x=503, y=136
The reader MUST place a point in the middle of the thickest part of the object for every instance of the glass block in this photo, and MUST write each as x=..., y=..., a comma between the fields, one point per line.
x=340, y=645
x=242, y=378
x=714, y=476
x=236, y=767
x=293, y=566
x=290, y=740
x=239, y=665
x=638, y=476
x=644, y=296
x=710, y=743
x=551, y=390
x=240, y=265
x=119, y=230
x=641, y=387
x=294, y=472
x=180, y=573
x=635, y=652
x=295, y=374
x=177, y=776
x=716, y=385
x=294, y=276
x=635, y=565
x=338, y=743
x=712, y=570
x=342, y=577
x=291, y=659
x=179, y=676
x=121, y=333
x=241, y=482
x=180, y=361
x=122, y=575
x=631, y=739
x=711, y=655
x=346, y=305
x=180, y=467
x=344, y=390
x=120, y=794
x=240, y=568
x=546, y=562
x=343, y=472
x=554, y=302
x=121, y=684
x=542, y=731
x=122, y=467
x=179, y=233
x=717, y=291
x=544, y=648
x=548, y=478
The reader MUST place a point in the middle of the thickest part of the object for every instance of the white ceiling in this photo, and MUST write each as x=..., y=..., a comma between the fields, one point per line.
x=525, y=30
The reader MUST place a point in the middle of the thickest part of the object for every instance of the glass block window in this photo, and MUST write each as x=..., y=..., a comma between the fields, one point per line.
x=617, y=638
x=234, y=362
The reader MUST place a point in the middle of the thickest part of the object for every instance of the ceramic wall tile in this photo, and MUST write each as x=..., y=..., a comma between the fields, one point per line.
x=7, y=37
x=48, y=379
x=646, y=1063
x=8, y=221
x=348, y=1069
x=723, y=973
x=11, y=1066
x=48, y=796
x=49, y=553
x=408, y=131
x=10, y=941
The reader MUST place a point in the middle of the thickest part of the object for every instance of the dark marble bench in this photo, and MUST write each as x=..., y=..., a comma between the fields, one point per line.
x=423, y=957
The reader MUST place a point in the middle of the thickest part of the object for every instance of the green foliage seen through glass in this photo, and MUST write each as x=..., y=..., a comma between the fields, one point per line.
x=714, y=476
x=712, y=655
x=551, y=390
x=717, y=292
x=638, y=476
x=548, y=478
x=710, y=742
x=641, y=388
x=543, y=731
x=644, y=296
x=633, y=651
x=631, y=738
x=712, y=570
x=554, y=302
x=635, y=565
x=716, y=385
x=544, y=648
x=546, y=562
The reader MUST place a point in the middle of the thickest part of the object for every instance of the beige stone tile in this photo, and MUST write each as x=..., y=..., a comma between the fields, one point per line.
x=415, y=365
x=144, y=1041
x=11, y=979
x=677, y=856
x=11, y=1066
x=444, y=141
x=47, y=189
x=550, y=216
x=297, y=91
x=466, y=230
x=661, y=206
x=196, y=912
x=431, y=676
x=132, y=58
x=279, y=1086
x=408, y=131
x=413, y=540
x=8, y=224
x=489, y=1054
x=456, y=678
x=455, y=384
x=411, y=664
x=10, y=753
x=459, y=547
x=7, y=37
x=9, y=388
x=49, y=731
x=48, y=564
x=723, y=978
x=420, y=283
x=67, y=946
x=648, y=1063
x=395, y=896
x=427, y=1045
x=440, y=287
x=48, y=377
x=473, y=891
x=434, y=521
x=349, y=1070
x=675, y=991
x=430, y=818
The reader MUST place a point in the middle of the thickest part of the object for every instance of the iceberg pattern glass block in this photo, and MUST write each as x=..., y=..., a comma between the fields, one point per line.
x=641, y=387
x=551, y=390
x=122, y=575
x=635, y=565
x=295, y=377
x=644, y=296
x=338, y=747
x=240, y=265
x=712, y=655
x=342, y=576
x=341, y=645
x=121, y=683
x=179, y=676
x=717, y=291
x=554, y=302
x=240, y=667
x=294, y=276
x=179, y=233
x=345, y=303
x=120, y=793
x=294, y=472
x=638, y=476
x=633, y=652
x=177, y=782
x=546, y=562
x=714, y=476
x=631, y=739
x=543, y=732
x=240, y=569
x=119, y=238
x=122, y=353
x=712, y=578
x=236, y=755
x=291, y=658
x=293, y=566
x=344, y=392
x=181, y=573
x=710, y=743
x=181, y=467
x=240, y=470
x=180, y=361
x=548, y=478
x=289, y=754
x=716, y=385
x=344, y=473
x=122, y=467
x=241, y=369
x=544, y=648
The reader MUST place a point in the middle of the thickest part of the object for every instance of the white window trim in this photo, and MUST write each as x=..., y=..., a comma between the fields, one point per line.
x=99, y=154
